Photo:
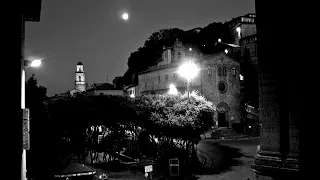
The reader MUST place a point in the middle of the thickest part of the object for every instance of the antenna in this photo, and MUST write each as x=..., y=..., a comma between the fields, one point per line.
x=107, y=79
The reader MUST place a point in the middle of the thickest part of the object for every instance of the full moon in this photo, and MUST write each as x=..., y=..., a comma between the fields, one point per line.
x=125, y=16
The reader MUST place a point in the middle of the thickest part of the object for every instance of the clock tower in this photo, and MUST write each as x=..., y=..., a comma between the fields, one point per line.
x=80, y=82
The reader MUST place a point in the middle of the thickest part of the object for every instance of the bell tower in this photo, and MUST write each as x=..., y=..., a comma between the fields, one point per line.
x=179, y=51
x=80, y=82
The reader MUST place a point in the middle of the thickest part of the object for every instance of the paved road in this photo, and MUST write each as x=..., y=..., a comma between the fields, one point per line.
x=231, y=159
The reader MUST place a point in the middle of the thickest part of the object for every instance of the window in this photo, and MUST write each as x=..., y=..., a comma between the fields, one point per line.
x=166, y=77
x=219, y=71
x=233, y=71
x=175, y=75
x=159, y=78
x=79, y=78
x=224, y=71
x=222, y=87
x=209, y=71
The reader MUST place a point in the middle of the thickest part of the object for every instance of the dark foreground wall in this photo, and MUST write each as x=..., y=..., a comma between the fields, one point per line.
x=280, y=66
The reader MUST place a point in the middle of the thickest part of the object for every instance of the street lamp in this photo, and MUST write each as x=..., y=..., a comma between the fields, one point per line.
x=172, y=90
x=188, y=70
x=27, y=63
x=238, y=29
x=25, y=130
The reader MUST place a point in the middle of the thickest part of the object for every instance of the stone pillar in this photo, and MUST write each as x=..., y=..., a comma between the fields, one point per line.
x=278, y=155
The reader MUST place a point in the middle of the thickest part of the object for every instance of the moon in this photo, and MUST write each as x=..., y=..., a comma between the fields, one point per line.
x=125, y=16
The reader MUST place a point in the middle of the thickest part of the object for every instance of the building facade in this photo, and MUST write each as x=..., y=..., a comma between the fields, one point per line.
x=242, y=26
x=157, y=79
x=220, y=84
x=98, y=89
x=131, y=90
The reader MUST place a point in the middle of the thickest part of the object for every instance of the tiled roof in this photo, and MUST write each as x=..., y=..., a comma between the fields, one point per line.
x=101, y=86
x=155, y=68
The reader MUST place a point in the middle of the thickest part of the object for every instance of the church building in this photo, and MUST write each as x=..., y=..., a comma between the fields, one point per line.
x=80, y=80
x=218, y=80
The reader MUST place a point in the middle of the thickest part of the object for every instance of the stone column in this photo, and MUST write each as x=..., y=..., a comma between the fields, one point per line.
x=278, y=155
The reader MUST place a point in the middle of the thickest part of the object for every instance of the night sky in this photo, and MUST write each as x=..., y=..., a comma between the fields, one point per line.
x=93, y=32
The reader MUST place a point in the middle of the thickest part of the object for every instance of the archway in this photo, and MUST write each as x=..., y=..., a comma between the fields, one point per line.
x=223, y=114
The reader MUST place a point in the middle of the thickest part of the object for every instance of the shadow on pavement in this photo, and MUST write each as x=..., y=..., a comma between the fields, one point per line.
x=223, y=159
x=114, y=166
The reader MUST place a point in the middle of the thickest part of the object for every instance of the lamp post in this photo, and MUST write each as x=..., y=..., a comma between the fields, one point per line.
x=188, y=70
x=25, y=130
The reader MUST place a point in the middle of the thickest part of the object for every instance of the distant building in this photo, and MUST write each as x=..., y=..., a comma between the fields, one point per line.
x=157, y=79
x=80, y=79
x=131, y=90
x=57, y=97
x=218, y=81
x=242, y=26
x=248, y=48
x=117, y=83
x=103, y=89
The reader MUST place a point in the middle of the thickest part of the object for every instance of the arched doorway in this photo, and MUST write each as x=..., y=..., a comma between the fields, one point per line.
x=223, y=114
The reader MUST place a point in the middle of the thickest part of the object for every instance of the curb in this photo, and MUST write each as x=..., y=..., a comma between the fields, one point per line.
x=204, y=159
x=233, y=138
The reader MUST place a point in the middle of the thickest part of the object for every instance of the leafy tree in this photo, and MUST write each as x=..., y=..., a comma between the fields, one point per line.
x=174, y=120
x=162, y=123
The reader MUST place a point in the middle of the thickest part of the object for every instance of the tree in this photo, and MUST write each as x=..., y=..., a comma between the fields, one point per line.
x=175, y=121
x=173, y=124
x=162, y=123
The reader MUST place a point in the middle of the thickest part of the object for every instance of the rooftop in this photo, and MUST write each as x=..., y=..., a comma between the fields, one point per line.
x=101, y=86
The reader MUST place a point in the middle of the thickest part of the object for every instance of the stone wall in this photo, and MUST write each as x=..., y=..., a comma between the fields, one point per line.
x=156, y=80
x=210, y=85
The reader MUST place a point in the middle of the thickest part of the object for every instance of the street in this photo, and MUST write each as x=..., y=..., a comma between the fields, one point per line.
x=230, y=159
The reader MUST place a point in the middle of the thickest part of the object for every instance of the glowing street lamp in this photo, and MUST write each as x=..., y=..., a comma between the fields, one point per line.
x=172, y=90
x=36, y=63
x=188, y=70
x=238, y=29
x=33, y=63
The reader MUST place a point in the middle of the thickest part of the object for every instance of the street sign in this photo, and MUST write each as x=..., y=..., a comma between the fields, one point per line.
x=148, y=168
x=26, y=129
x=146, y=175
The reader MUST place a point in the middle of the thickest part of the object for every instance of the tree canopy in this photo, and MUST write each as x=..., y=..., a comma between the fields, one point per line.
x=165, y=117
